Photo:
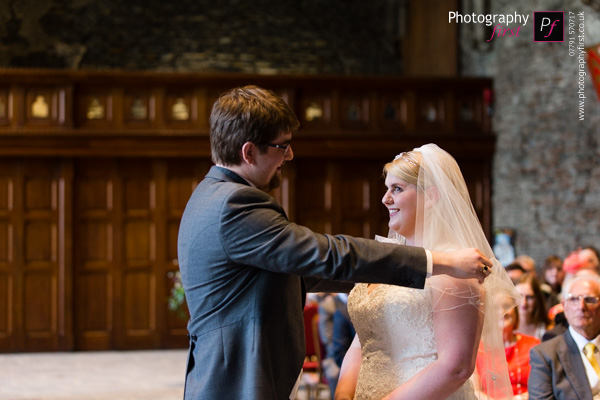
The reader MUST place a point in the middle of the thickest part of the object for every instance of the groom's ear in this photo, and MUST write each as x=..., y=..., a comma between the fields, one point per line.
x=247, y=152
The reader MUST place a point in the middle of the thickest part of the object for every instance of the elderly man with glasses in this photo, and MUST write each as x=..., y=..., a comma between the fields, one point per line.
x=567, y=366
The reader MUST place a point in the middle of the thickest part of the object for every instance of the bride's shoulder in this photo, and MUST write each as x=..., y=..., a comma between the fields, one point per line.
x=358, y=287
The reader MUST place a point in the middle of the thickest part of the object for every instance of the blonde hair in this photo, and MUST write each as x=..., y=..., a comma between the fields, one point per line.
x=405, y=167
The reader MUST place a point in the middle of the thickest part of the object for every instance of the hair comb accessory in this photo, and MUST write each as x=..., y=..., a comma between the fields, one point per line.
x=406, y=157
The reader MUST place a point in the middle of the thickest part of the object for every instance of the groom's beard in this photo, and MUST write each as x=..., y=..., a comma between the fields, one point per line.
x=274, y=183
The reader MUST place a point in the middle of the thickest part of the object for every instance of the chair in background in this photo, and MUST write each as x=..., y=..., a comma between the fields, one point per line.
x=312, y=371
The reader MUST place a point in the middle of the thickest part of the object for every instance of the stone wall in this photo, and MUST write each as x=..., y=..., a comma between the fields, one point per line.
x=261, y=36
x=547, y=163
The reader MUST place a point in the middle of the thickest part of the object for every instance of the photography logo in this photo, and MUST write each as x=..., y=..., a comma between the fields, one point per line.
x=548, y=26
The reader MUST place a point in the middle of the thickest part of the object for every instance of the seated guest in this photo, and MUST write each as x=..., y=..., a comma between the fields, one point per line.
x=343, y=334
x=528, y=263
x=566, y=367
x=514, y=271
x=343, y=330
x=532, y=311
x=551, y=279
x=590, y=258
x=556, y=313
x=560, y=325
x=325, y=327
x=516, y=347
x=584, y=258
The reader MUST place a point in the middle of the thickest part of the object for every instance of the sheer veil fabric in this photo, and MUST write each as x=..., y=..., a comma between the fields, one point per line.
x=446, y=220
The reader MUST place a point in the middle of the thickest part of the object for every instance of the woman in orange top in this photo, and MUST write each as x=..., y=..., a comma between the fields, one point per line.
x=516, y=346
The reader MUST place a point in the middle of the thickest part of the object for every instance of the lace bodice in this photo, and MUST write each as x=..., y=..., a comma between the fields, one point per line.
x=395, y=328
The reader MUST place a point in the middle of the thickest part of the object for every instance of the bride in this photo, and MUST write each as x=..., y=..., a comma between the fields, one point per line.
x=423, y=344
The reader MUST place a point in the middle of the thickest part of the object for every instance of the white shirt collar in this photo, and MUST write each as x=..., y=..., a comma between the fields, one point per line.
x=593, y=379
x=581, y=341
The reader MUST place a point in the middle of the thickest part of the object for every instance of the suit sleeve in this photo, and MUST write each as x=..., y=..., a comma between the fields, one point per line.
x=255, y=231
x=314, y=285
x=539, y=383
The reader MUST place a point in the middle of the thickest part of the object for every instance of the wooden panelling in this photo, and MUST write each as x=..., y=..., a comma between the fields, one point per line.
x=74, y=105
x=313, y=188
x=39, y=254
x=92, y=192
x=7, y=248
x=356, y=112
x=180, y=179
x=94, y=255
x=4, y=110
x=6, y=308
x=363, y=212
x=137, y=269
x=393, y=112
x=317, y=107
x=96, y=108
x=31, y=264
x=340, y=196
x=430, y=50
x=128, y=214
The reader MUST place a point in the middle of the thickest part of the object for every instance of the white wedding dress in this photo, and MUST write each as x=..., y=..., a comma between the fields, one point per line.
x=395, y=328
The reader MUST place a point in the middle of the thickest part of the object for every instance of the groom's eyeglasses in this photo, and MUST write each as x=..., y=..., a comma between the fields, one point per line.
x=283, y=147
x=588, y=300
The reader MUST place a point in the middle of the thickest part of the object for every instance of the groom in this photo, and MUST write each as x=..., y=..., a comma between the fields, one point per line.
x=246, y=268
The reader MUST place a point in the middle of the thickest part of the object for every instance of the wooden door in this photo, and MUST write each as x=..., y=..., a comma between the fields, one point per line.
x=127, y=217
x=33, y=264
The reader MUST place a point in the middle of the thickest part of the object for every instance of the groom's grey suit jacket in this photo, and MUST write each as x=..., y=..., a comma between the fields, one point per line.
x=557, y=371
x=244, y=268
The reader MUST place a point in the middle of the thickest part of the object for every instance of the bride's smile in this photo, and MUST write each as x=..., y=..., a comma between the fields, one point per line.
x=401, y=202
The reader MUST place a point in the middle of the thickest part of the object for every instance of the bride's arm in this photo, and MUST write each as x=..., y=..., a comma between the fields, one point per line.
x=457, y=324
x=346, y=385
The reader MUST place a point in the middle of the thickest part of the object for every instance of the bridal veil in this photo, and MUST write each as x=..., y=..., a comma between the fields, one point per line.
x=446, y=220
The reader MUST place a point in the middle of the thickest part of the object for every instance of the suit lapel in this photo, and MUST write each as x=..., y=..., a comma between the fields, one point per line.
x=569, y=357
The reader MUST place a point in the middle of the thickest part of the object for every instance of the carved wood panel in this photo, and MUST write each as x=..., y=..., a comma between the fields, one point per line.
x=32, y=265
x=7, y=250
x=179, y=178
x=340, y=196
x=95, y=177
x=127, y=214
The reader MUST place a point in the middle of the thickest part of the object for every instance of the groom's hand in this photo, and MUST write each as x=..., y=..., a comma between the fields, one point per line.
x=463, y=264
